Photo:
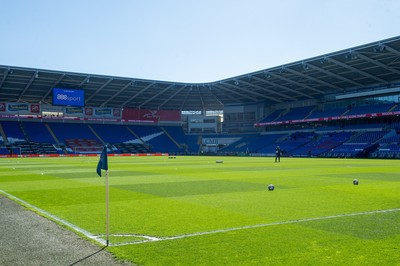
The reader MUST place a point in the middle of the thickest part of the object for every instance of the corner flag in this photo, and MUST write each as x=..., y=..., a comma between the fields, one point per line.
x=103, y=162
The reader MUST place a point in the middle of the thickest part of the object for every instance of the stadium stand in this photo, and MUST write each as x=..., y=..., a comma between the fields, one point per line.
x=113, y=133
x=77, y=138
x=133, y=148
x=189, y=143
x=328, y=113
x=272, y=116
x=369, y=109
x=320, y=111
x=65, y=131
x=352, y=139
x=38, y=132
x=296, y=113
x=4, y=151
x=13, y=131
x=84, y=145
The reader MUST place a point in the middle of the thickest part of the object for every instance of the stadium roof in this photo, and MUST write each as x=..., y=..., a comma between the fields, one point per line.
x=363, y=68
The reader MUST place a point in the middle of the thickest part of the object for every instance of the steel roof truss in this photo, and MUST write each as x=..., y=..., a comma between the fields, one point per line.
x=156, y=95
x=172, y=95
x=186, y=97
x=313, y=79
x=329, y=73
x=35, y=74
x=235, y=92
x=377, y=63
x=217, y=98
x=85, y=80
x=286, y=88
x=361, y=72
x=138, y=93
x=100, y=89
x=6, y=72
x=51, y=88
x=118, y=93
x=270, y=91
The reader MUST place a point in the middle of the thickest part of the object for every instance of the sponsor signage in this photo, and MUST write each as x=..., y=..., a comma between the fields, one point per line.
x=155, y=116
x=89, y=111
x=35, y=108
x=73, y=110
x=18, y=107
x=68, y=97
x=102, y=111
x=117, y=112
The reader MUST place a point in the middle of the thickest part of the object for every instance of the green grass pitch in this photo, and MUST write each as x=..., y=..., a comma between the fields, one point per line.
x=208, y=213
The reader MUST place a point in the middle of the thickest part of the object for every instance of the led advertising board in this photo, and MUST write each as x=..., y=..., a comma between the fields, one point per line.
x=68, y=97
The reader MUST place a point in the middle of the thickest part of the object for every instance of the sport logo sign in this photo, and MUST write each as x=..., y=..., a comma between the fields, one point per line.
x=68, y=97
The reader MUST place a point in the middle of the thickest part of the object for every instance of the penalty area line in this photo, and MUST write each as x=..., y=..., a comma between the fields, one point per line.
x=148, y=239
x=55, y=218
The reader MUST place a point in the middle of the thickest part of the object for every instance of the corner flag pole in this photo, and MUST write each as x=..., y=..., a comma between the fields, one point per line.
x=107, y=211
x=103, y=164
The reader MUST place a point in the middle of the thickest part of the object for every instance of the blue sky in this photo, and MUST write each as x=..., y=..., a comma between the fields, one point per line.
x=185, y=40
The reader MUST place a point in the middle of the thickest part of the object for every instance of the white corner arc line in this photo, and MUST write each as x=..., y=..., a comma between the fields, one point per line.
x=99, y=240
x=256, y=226
x=55, y=218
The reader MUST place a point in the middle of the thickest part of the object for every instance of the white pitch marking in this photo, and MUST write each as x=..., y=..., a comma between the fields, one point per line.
x=155, y=239
x=61, y=221
x=255, y=226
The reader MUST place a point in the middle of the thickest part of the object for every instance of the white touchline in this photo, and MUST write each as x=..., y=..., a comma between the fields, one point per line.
x=101, y=241
x=254, y=226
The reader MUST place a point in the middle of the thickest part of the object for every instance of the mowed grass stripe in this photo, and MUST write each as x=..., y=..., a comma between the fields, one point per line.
x=158, y=197
x=379, y=233
x=307, y=243
x=179, y=189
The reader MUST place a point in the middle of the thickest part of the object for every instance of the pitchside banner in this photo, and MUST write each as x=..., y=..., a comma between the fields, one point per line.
x=150, y=116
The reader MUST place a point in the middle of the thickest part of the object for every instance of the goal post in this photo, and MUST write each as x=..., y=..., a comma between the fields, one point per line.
x=15, y=151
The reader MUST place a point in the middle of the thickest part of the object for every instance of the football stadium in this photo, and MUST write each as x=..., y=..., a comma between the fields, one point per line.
x=169, y=173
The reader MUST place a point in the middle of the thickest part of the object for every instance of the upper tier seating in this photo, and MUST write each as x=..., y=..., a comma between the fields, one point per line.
x=296, y=113
x=370, y=109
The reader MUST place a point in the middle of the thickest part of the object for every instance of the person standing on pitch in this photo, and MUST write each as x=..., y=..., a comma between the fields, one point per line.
x=277, y=154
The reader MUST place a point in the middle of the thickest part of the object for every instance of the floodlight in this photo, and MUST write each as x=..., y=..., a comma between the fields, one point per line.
x=323, y=60
x=351, y=55
x=379, y=49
